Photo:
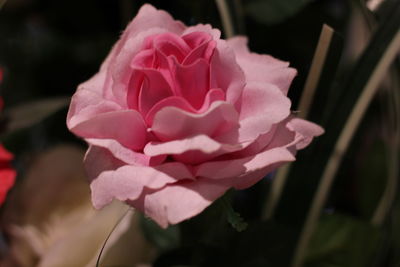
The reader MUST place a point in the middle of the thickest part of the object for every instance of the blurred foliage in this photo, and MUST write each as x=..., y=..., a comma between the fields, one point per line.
x=273, y=12
x=48, y=47
x=341, y=241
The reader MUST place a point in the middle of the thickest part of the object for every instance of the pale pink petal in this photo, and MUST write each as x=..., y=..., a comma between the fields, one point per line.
x=236, y=167
x=171, y=123
x=262, y=68
x=99, y=159
x=149, y=18
x=191, y=150
x=181, y=201
x=226, y=73
x=128, y=182
x=262, y=106
x=249, y=179
x=125, y=126
x=125, y=155
x=212, y=96
x=86, y=104
x=305, y=129
x=172, y=101
x=215, y=33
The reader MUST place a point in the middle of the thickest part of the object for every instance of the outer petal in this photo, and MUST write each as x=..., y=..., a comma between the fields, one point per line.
x=128, y=182
x=305, y=131
x=125, y=126
x=262, y=68
x=86, y=104
x=191, y=150
x=171, y=123
x=126, y=155
x=237, y=167
x=262, y=106
x=181, y=201
x=215, y=33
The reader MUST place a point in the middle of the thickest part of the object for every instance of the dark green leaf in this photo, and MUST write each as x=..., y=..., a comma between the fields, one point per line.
x=273, y=11
x=342, y=241
x=163, y=239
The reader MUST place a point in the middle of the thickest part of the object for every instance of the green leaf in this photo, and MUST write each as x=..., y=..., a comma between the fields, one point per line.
x=273, y=11
x=163, y=239
x=233, y=217
x=340, y=240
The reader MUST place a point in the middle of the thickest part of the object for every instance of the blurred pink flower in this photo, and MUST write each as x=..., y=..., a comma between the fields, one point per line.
x=176, y=116
x=7, y=173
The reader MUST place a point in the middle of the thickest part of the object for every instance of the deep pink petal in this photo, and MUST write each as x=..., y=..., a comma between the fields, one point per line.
x=203, y=47
x=171, y=123
x=154, y=89
x=120, y=67
x=169, y=45
x=192, y=81
x=226, y=73
x=125, y=126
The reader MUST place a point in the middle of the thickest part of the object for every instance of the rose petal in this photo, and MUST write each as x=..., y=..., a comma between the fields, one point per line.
x=171, y=123
x=191, y=150
x=262, y=68
x=207, y=28
x=87, y=104
x=262, y=106
x=120, y=69
x=148, y=18
x=192, y=81
x=181, y=201
x=169, y=44
x=305, y=129
x=126, y=155
x=226, y=73
x=236, y=167
x=125, y=126
x=153, y=89
x=127, y=182
x=202, y=45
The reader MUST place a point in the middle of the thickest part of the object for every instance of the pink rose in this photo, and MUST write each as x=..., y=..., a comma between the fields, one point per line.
x=176, y=116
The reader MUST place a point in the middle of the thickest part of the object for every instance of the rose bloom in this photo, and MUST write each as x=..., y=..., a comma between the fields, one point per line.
x=176, y=116
x=7, y=173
